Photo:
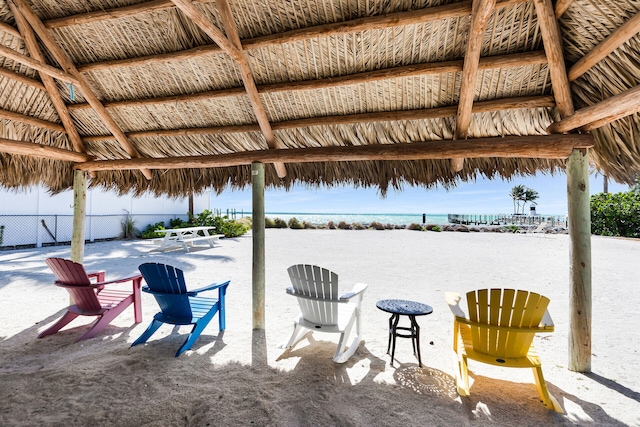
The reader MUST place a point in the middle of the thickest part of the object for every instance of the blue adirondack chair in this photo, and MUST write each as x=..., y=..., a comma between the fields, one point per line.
x=179, y=306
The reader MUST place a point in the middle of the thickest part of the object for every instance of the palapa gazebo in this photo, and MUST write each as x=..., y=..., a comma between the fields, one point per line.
x=177, y=96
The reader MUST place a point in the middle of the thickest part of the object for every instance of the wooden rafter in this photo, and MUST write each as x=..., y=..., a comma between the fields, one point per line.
x=553, y=48
x=12, y=75
x=504, y=104
x=629, y=29
x=429, y=14
x=50, y=86
x=4, y=27
x=113, y=13
x=66, y=63
x=480, y=14
x=561, y=7
x=511, y=60
x=44, y=124
x=600, y=114
x=233, y=47
x=31, y=149
x=547, y=147
x=37, y=65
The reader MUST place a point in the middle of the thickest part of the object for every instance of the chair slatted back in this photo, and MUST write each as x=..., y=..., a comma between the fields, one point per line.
x=504, y=307
x=320, y=286
x=71, y=273
x=169, y=289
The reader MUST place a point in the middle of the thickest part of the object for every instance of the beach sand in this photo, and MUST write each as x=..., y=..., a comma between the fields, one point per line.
x=241, y=377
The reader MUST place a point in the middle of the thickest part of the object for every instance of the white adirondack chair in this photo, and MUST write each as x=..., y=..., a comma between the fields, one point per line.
x=323, y=310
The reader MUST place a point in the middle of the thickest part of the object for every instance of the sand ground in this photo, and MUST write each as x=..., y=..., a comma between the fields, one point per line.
x=241, y=377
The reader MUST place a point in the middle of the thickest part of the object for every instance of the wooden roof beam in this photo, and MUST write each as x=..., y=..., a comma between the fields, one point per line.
x=480, y=14
x=113, y=13
x=43, y=124
x=10, y=30
x=561, y=7
x=31, y=149
x=418, y=16
x=544, y=147
x=511, y=60
x=629, y=29
x=386, y=116
x=66, y=63
x=600, y=114
x=12, y=75
x=553, y=48
x=233, y=47
x=37, y=65
x=50, y=86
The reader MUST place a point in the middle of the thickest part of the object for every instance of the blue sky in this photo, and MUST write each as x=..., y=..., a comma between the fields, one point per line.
x=482, y=197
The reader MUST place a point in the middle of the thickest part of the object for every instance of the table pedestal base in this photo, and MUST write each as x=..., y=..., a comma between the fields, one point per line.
x=414, y=334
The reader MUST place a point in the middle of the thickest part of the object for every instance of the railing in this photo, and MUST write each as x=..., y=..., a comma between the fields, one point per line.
x=28, y=231
x=502, y=219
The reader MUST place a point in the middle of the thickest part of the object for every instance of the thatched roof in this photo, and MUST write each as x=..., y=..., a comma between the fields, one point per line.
x=216, y=85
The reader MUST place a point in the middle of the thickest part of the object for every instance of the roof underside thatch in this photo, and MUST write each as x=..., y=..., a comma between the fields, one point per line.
x=217, y=84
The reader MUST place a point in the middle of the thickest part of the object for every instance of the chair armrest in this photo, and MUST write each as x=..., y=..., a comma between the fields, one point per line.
x=124, y=279
x=357, y=290
x=547, y=322
x=211, y=287
x=98, y=275
x=453, y=300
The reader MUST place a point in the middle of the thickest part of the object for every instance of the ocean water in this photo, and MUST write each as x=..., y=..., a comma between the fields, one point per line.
x=394, y=219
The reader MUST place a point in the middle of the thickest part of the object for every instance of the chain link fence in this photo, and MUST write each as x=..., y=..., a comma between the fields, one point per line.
x=30, y=231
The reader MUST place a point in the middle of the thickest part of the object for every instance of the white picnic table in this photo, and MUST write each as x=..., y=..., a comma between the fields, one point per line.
x=186, y=236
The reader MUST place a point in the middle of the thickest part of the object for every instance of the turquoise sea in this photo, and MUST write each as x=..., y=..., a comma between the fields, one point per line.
x=395, y=219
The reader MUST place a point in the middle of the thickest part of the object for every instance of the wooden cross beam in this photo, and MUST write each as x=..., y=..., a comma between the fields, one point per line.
x=525, y=102
x=234, y=48
x=490, y=62
x=629, y=29
x=31, y=149
x=480, y=13
x=547, y=147
x=66, y=63
x=50, y=86
x=417, y=16
x=600, y=114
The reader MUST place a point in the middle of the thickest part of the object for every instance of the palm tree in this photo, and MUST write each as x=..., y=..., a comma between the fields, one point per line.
x=517, y=193
x=529, y=196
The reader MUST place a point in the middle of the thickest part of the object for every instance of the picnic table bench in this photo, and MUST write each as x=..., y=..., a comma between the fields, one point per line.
x=186, y=236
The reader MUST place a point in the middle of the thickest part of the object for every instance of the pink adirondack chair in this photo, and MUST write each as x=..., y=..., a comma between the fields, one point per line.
x=92, y=299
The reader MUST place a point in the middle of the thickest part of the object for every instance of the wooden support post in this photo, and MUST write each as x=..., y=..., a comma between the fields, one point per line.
x=580, y=273
x=79, y=215
x=257, y=217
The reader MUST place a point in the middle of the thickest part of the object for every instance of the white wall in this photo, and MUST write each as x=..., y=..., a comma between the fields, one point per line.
x=36, y=201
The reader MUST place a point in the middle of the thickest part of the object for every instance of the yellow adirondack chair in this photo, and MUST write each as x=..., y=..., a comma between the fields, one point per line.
x=499, y=331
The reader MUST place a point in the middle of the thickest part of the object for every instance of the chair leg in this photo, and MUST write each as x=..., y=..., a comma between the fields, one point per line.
x=341, y=355
x=298, y=333
x=547, y=398
x=64, y=321
x=193, y=336
x=155, y=324
x=462, y=376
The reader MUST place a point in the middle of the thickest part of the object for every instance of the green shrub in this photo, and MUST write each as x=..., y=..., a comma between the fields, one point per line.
x=280, y=223
x=510, y=228
x=415, y=226
x=178, y=223
x=295, y=224
x=232, y=228
x=436, y=228
x=616, y=214
x=150, y=231
x=269, y=223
